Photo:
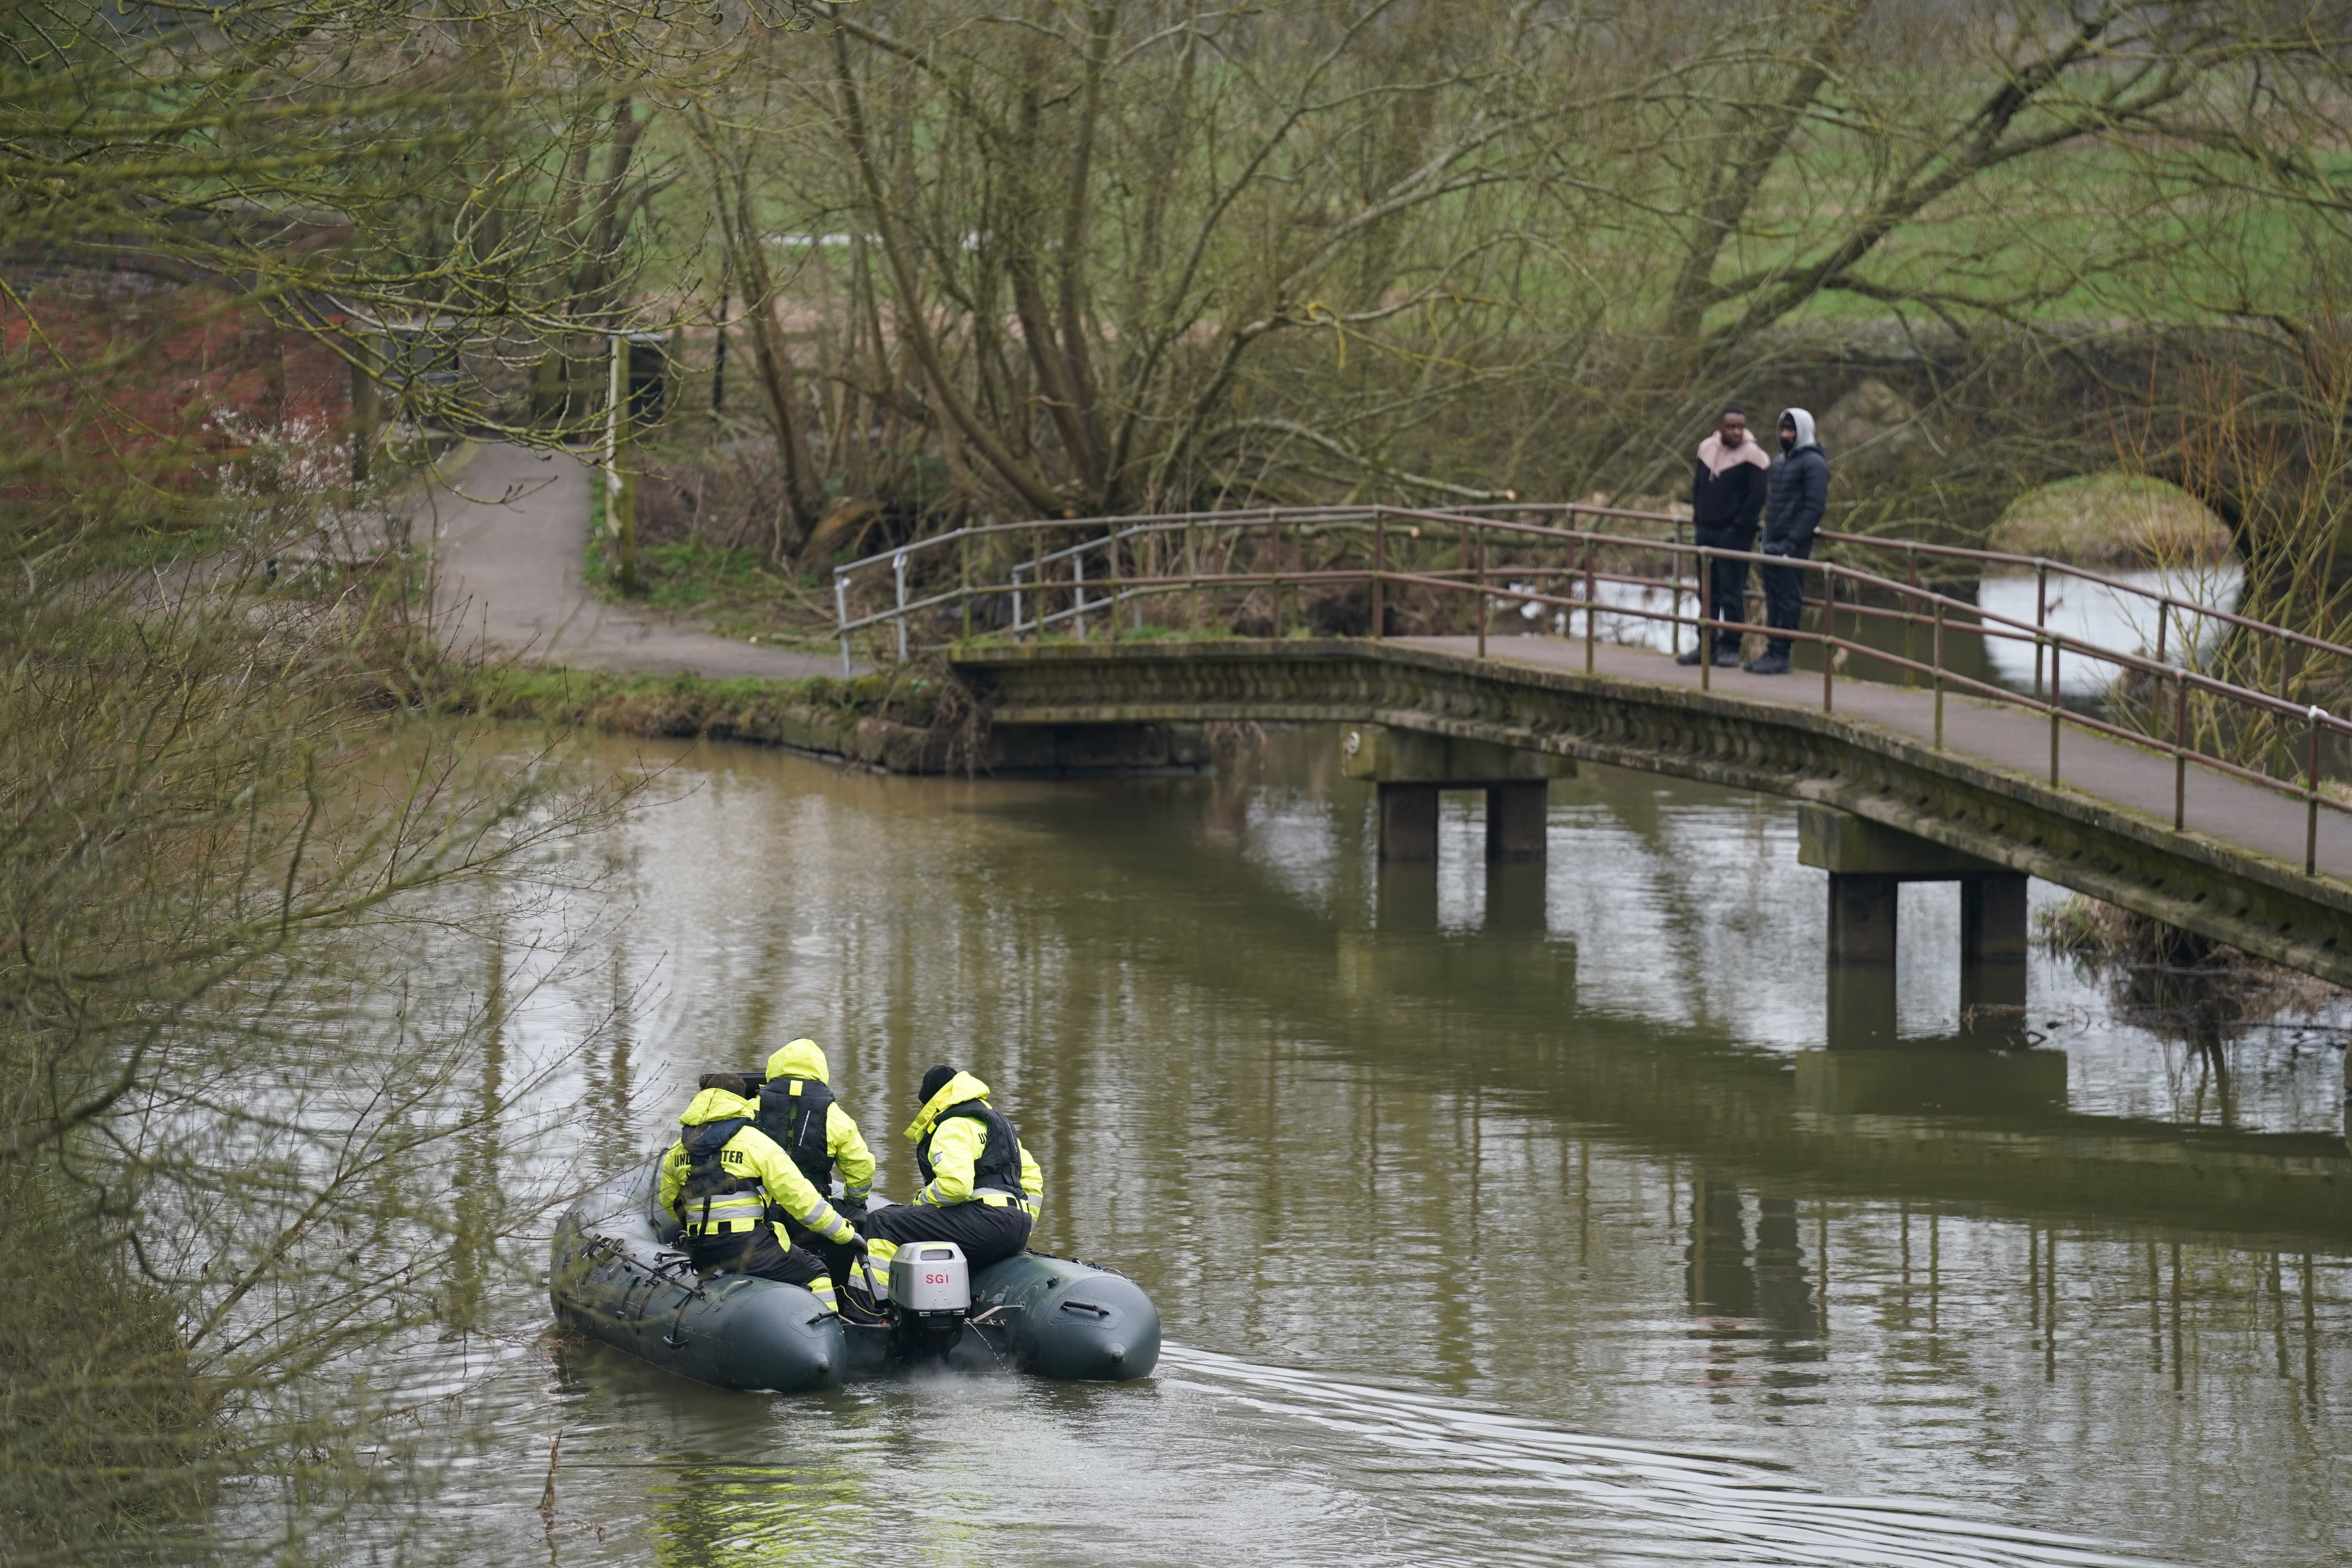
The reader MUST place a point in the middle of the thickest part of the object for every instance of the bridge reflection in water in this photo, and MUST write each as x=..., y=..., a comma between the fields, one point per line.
x=1602, y=1174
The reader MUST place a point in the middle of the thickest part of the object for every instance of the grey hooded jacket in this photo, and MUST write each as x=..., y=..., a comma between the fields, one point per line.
x=1798, y=489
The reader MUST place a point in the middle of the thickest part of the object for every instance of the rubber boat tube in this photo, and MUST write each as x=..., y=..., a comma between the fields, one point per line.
x=617, y=1277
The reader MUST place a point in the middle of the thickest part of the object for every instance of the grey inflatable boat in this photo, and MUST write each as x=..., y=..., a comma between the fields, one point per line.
x=618, y=1277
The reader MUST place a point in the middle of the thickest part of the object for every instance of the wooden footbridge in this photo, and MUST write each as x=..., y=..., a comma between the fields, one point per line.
x=2197, y=792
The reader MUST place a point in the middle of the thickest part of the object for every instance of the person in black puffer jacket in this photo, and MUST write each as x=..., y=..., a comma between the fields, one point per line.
x=1726, y=495
x=1795, y=497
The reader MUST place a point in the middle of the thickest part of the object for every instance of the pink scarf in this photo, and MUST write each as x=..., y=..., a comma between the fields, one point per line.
x=1712, y=453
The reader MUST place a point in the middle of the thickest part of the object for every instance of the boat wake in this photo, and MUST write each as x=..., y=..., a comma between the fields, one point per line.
x=1523, y=1490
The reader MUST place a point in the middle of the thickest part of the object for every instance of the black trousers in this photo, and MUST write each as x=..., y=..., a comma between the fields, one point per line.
x=840, y=1259
x=761, y=1256
x=987, y=1234
x=1784, y=598
x=1727, y=581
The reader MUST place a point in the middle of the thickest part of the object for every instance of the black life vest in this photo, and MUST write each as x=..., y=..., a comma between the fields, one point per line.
x=799, y=1123
x=708, y=1181
x=999, y=1166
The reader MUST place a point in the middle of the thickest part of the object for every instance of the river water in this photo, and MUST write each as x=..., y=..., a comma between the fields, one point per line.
x=1522, y=1220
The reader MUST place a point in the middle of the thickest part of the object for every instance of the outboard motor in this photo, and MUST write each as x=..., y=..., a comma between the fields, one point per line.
x=931, y=1298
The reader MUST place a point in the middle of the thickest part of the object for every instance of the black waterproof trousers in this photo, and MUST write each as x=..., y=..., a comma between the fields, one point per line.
x=761, y=1256
x=987, y=1234
x=1727, y=585
x=840, y=1259
x=1784, y=598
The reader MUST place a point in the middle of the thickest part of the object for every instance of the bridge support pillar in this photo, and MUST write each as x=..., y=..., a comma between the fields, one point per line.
x=1993, y=918
x=1515, y=820
x=1410, y=766
x=1867, y=863
x=1862, y=918
x=1407, y=816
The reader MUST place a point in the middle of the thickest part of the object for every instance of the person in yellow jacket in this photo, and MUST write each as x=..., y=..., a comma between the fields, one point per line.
x=981, y=1187
x=735, y=1192
x=798, y=1112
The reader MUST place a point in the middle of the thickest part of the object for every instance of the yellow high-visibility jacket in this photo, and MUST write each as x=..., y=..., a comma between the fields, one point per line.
x=851, y=1157
x=751, y=1152
x=956, y=1144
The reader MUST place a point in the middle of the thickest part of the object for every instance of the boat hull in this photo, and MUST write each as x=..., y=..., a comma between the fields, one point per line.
x=615, y=1277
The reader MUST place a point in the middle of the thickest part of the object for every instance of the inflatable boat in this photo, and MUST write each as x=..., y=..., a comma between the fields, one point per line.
x=618, y=1277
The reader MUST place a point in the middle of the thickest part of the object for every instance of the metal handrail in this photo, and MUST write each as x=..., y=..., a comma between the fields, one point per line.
x=1914, y=605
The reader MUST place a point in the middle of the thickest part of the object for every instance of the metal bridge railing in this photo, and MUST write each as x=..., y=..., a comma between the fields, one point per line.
x=1031, y=580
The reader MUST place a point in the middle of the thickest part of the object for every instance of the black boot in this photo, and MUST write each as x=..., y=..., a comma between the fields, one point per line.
x=1771, y=664
x=1689, y=656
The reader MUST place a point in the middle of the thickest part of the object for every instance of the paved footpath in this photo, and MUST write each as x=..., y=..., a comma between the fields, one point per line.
x=509, y=529
x=2122, y=777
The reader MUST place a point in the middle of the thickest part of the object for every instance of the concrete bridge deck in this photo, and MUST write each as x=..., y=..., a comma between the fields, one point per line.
x=2234, y=875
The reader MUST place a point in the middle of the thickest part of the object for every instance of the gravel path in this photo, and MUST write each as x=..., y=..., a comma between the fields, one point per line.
x=509, y=530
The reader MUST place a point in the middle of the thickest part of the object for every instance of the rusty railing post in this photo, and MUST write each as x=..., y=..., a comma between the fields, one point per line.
x=1940, y=672
x=2041, y=617
x=2055, y=649
x=1380, y=573
x=1479, y=530
x=1706, y=626
x=1829, y=636
x=2180, y=752
x=1281, y=620
x=1592, y=610
x=2311, y=797
x=963, y=582
x=1193, y=573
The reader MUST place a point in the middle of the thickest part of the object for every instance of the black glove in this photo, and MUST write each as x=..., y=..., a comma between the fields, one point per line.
x=1776, y=547
x=855, y=1244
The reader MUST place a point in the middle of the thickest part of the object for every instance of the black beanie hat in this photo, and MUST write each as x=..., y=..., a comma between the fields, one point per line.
x=935, y=1080
x=731, y=1082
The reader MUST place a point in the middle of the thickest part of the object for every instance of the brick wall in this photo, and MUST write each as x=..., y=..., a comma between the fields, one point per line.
x=175, y=383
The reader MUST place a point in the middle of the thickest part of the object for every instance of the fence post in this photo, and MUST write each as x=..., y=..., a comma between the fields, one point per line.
x=1592, y=610
x=1078, y=591
x=2180, y=750
x=1480, y=530
x=1193, y=573
x=2311, y=798
x=1283, y=622
x=841, y=618
x=899, y=571
x=1829, y=637
x=2054, y=651
x=1110, y=576
x=1706, y=631
x=2041, y=616
x=1037, y=581
x=2163, y=619
x=1940, y=672
x=1910, y=615
x=1379, y=573
x=963, y=582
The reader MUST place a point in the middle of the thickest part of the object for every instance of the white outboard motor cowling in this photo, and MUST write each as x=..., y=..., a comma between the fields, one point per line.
x=930, y=1278
x=931, y=1298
